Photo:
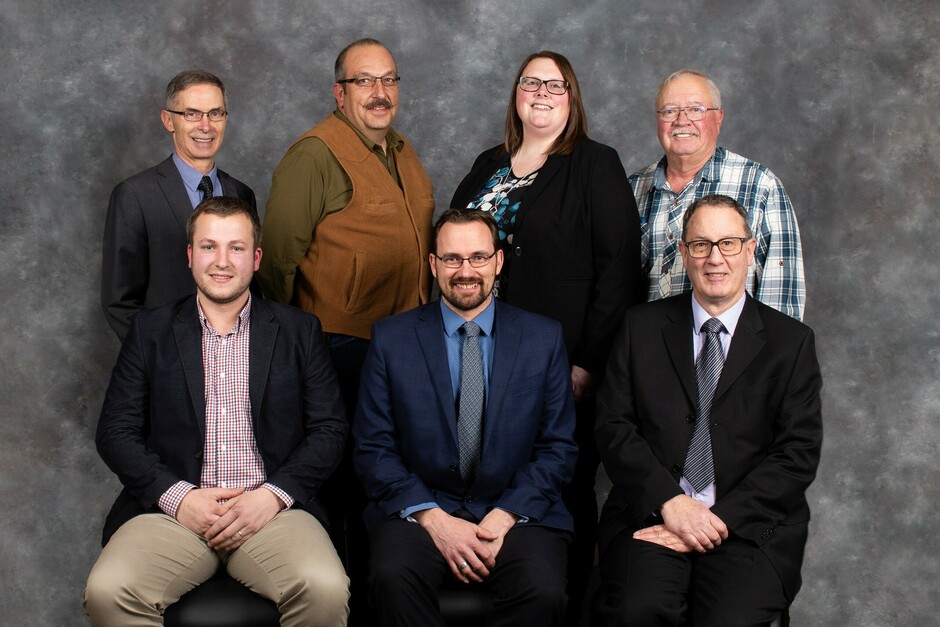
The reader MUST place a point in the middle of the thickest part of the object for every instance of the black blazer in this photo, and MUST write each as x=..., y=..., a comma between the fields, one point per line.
x=576, y=248
x=151, y=431
x=143, y=254
x=766, y=425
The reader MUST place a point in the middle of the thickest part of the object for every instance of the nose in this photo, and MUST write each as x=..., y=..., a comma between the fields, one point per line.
x=714, y=256
x=204, y=124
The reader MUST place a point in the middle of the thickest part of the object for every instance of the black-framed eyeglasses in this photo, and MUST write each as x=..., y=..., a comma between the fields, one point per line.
x=728, y=247
x=195, y=115
x=368, y=81
x=554, y=86
x=671, y=114
x=476, y=261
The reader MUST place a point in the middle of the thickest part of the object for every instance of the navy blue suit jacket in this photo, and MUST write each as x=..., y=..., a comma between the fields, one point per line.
x=143, y=253
x=151, y=432
x=406, y=424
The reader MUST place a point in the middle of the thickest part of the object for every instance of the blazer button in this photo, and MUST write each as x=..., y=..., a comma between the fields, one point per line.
x=676, y=468
x=469, y=499
x=198, y=454
x=517, y=251
x=453, y=467
x=690, y=419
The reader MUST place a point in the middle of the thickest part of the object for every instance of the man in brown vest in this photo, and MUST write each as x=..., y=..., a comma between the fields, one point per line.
x=347, y=236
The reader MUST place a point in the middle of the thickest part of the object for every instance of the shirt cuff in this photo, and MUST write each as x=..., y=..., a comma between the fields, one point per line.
x=520, y=519
x=408, y=512
x=170, y=500
x=281, y=494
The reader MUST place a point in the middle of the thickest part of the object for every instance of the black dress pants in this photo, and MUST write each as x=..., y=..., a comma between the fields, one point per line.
x=646, y=584
x=407, y=570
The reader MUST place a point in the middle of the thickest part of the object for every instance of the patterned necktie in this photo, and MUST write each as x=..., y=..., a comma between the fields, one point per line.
x=699, y=464
x=205, y=186
x=470, y=417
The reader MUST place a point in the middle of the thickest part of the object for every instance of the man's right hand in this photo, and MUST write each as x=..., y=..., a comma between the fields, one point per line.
x=460, y=543
x=693, y=523
x=200, y=508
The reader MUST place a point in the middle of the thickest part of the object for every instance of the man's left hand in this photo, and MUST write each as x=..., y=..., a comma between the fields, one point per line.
x=658, y=534
x=582, y=382
x=248, y=514
x=499, y=522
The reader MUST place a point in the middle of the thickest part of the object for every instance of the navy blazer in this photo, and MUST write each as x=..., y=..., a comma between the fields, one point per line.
x=406, y=424
x=151, y=432
x=766, y=427
x=575, y=254
x=143, y=253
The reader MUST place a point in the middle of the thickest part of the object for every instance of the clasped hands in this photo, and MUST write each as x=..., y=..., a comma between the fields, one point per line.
x=226, y=525
x=469, y=549
x=687, y=526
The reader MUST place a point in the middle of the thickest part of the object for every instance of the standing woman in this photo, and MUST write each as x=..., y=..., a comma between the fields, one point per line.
x=570, y=232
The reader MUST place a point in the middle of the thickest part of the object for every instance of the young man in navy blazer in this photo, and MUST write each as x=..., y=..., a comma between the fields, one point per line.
x=222, y=420
x=710, y=458
x=501, y=523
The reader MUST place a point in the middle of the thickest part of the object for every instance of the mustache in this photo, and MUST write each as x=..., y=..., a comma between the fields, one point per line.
x=379, y=102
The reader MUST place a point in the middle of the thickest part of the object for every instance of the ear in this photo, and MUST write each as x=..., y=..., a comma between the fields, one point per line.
x=189, y=256
x=431, y=260
x=720, y=115
x=339, y=92
x=499, y=260
x=751, y=247
x=684, y=252
x=257, y=259
x=167, y=118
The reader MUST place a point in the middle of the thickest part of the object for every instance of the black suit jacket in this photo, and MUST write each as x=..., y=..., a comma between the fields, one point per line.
x=766, y=425
x=143, y=254
x=151, y=431
x=575, y=255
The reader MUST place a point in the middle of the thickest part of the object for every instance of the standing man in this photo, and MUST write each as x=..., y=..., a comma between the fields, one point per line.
x=689, y=114
x=145, y=232
x=464, y=441
x=710, y=427
x=346, y=237
x=222, y=420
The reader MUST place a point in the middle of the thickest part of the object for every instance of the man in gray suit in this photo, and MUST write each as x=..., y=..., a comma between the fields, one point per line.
x=143, y=255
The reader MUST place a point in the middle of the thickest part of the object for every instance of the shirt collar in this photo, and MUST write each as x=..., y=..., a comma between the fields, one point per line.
x=392, y=138
x=241, y=323
x=453, y=322
x=729, y=318
x=192, y=176
x=709, y=171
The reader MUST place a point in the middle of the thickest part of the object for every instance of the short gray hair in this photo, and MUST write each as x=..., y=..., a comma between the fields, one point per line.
x=712, y=87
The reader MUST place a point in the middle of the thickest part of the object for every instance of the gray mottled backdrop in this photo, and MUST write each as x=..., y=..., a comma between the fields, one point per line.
x=839, y=99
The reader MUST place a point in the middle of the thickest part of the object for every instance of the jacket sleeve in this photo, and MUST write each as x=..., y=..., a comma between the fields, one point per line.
x=125, y=260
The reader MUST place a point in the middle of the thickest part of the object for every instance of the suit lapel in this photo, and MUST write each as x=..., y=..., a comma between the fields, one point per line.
x=542, y=179
x=430, y=331
x=260, y=352
x=507, y=337
x=174, y=190
x=678, y=338
x=188, y=335
x=746, y=345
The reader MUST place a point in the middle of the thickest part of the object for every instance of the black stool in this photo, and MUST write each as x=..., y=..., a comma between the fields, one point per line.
x=222, y=602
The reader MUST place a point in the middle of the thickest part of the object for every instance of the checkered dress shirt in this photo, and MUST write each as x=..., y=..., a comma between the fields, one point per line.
x=230, y=457
x=776, y=276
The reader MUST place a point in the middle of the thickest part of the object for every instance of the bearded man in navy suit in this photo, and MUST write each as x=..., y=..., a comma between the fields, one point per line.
x=497, y=520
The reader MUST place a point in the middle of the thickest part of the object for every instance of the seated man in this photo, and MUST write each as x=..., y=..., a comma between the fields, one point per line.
x=464, y=440
x=710, y=456
x=222, y=419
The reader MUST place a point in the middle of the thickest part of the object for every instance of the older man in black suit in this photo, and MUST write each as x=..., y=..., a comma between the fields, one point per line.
x=709, y=425
x=144, y=248
x=222, y=420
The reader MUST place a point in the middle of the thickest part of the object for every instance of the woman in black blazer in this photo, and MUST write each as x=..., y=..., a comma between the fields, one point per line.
x=570, y=232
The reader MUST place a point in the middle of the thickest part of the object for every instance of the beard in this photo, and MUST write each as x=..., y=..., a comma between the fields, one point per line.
x=465, y=301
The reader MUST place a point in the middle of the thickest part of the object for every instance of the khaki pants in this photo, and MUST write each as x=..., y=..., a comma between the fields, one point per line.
x=152, y=560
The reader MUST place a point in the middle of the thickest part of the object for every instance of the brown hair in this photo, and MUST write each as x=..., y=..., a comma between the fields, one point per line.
x=225, y=206
x=338, y=69
x=188, y=78
x=466, y=216
x=716, y=200
x=576, y=127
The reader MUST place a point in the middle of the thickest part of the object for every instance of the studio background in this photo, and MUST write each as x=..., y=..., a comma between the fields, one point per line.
x=838, y=99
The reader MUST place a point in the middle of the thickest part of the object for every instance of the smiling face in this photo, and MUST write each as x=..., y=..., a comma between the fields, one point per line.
x=196, y=143
x=683, y=140
x=542, y=114
x=717, y=281
x=223, y=257
x=370, y=109
x=466, y=290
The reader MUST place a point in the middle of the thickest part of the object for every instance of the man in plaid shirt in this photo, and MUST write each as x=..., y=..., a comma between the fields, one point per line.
x=222, y=420
x=689, y=115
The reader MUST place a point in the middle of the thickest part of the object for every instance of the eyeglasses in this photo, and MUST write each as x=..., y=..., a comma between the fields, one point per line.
x=195, y=115
x=728, y=247
x=369, y=81
x=671, y=114
x=530, y=83
x=476, y=261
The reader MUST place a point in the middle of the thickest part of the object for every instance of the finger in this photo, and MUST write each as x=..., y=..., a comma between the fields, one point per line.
x=459, y=568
